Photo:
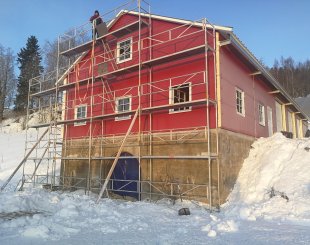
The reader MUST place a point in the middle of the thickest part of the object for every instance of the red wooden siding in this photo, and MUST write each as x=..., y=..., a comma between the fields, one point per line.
x=235, y=74
x=164, y=75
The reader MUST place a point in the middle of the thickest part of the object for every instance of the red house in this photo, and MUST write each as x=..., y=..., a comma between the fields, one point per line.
x=175, y=104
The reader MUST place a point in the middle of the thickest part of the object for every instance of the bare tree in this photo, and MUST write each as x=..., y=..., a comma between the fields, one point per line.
x=7, y=79
x=294, y=77
x=52, y=58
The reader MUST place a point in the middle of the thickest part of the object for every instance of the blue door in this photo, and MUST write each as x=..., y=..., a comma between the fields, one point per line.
x=125, y=176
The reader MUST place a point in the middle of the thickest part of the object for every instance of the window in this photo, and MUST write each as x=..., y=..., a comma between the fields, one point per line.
x=180, y=94
x=261, y=114
x=124, y=50
x=80, y=112
x=240, y=102
x=270, y=121
x=123, y=105
x=279, y=116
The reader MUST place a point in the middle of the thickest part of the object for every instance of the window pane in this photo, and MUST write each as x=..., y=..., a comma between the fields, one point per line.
x=239, y=102
x=123, y=105
x=261, y=114
x=125, y=50
x=81, y=112
x=181, y=94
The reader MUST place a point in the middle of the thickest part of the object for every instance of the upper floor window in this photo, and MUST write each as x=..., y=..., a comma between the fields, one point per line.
x=240, y=102
x=261, y=114
x=80, y=112
x=180, y=94
x=124, y=50
x=122, y=105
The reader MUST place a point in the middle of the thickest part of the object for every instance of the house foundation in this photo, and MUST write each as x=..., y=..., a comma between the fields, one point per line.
x=171, y=164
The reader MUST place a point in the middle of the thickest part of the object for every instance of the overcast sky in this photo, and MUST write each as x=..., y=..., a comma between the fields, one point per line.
x=269, y=28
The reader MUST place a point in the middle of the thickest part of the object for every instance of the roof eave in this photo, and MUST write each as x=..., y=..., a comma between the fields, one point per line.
x=252, y=59
x=175, y=20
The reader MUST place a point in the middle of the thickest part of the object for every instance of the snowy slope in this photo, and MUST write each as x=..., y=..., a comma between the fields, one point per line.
x=279, y=163
x=12, y=149
x=12, y=146
x=36, y=216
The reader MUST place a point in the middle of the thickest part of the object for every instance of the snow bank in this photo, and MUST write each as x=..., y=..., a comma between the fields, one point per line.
x=59, y=216
x=279, y=163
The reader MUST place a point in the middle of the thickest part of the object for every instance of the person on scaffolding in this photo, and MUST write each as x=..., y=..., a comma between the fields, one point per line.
x=96, y=21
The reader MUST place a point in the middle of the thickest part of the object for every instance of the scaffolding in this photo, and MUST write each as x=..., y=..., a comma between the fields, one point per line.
x=82, y=71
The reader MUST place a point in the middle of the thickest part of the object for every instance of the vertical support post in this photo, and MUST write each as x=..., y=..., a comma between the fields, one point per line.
x=208, y=111
x=88, y=181
x=139, y=96
x=218, y=106
x=27, y=128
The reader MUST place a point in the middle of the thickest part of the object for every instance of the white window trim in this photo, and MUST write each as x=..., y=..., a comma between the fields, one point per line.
x=118, y=61
x=81, y=123
x=121, y=118
x=242, y=105
x=171, y=97
x=263, y=122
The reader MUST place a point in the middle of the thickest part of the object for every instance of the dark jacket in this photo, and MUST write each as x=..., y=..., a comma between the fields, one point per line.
x=96, y=18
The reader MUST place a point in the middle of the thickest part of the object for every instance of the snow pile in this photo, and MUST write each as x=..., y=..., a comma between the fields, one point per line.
x=277, y=167
x=61, y=216
x=12, y=125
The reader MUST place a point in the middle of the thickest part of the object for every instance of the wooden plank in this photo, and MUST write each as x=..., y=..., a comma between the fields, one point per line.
x=117, y=157
x=102, y=31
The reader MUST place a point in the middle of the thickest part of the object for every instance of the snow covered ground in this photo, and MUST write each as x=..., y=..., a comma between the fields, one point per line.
x=37, y=216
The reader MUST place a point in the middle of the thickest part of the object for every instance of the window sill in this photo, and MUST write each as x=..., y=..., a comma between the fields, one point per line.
x=122, y=61
x=240, y=114
x=122, y=118
x=79, y=124
x=172, y=111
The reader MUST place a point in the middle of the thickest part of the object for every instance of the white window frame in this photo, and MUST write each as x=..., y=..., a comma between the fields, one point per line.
x=117, y=100
x=76, y=115
x=118, y=51
x=261, y=115
x=238, y=106
x=171, y=98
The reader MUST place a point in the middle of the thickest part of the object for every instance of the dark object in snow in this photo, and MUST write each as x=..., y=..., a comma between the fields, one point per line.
x=283, y=195
x=17, y=214
x=307, y=148
x=273, y=193
x=287, y=134
x=307, y=135
x=184, y=211
x=47, y=186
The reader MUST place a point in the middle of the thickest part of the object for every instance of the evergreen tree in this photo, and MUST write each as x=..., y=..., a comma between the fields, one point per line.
x=29, y=60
